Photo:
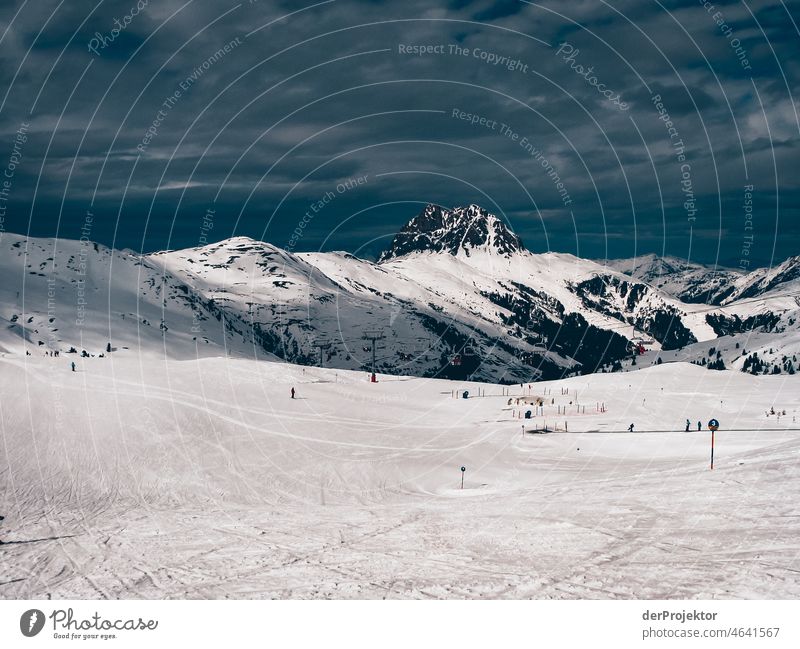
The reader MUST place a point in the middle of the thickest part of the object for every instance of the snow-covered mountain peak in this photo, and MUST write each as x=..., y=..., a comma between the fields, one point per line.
x=688, y=281
x=651, y=266
x=782, y=278
x=241, y=240
x=459, y=231
x=239, y=244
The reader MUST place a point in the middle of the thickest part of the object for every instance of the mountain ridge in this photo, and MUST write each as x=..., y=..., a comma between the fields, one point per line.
x=467, y=302
x=456, y=231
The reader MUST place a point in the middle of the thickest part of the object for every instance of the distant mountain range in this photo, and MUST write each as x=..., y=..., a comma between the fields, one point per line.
x=455, y=295
x=698, y=284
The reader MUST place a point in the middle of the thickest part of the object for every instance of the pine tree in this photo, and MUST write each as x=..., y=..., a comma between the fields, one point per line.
x=718, y=364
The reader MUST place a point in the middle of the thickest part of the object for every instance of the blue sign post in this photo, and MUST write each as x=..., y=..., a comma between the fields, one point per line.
x=463, y=470
x=713, y=426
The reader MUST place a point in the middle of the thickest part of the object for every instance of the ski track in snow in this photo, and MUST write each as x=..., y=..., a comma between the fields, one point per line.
x=202, y=479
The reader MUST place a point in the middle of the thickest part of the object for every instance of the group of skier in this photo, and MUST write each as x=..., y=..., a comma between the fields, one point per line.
x=688, y=426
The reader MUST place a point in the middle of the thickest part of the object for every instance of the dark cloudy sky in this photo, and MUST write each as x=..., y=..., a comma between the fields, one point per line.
x=311, y=94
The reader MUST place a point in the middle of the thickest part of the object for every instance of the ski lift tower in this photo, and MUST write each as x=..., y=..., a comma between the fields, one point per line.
x=374, y=336
x=321, y=345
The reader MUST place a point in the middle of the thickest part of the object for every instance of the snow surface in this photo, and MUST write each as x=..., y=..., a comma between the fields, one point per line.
x=139, y=476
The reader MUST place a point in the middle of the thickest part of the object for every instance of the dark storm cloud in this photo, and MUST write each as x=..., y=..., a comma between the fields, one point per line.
x=257, y=109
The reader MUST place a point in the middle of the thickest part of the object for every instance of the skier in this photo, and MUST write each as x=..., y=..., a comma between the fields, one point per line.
x=630, y=428
x=73, y=366
x=688, y=423
x=292, y=393
x=699, y=425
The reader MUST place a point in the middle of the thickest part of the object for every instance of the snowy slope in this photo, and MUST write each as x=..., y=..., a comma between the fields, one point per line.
x=57, y=294
x=782, y=279
x=178, y=443
x=152, y=478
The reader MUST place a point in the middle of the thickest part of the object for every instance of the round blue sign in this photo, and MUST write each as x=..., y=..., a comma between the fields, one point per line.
x=463, y=468
x=713, y=424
